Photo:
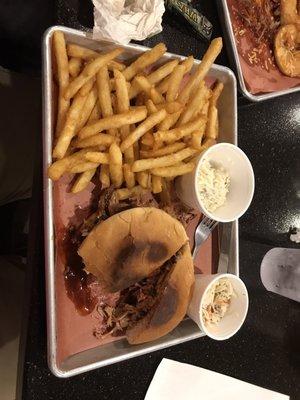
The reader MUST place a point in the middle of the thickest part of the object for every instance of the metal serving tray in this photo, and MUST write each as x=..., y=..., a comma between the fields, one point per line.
x=187, y=329
x=234, y=57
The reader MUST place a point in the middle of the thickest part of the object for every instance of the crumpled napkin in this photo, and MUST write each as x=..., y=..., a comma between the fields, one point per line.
x=120, y=21
x=177, y=381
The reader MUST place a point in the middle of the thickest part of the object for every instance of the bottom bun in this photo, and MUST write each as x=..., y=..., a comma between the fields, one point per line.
x=171, y=305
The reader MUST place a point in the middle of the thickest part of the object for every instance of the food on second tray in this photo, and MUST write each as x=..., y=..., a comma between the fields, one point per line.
x=213, y=185
x=267, y=36
x=131, y=126
x=217, y=301
x=144, y=252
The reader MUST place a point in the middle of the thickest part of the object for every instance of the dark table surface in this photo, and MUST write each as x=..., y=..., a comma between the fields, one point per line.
x=266, y=351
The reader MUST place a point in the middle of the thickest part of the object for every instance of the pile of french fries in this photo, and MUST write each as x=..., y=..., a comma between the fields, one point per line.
x=131, y=126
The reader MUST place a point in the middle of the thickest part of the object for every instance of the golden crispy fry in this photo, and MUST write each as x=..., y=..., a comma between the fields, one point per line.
x=202, y=69
x=104, y=176
x=171, y=148
x=75, y=64
x=115, y=165
x=89, y=71
x=195, y=103
x=175, y=170
x=187, y=64
x=83, y=180
x=174, y=83
x=104, y=96
x=123, y=105
x=146, y=59
x=115, y=121
x=128, y=176
x=151, y=107
x=177, y=133
x=95, y=114
x=164, y=161
x=144, y=127
x=210, y=131
x=69, y=129
x=87, y=109
x=155, y=76
x=197, y=139
x=146, y=87
x=169, y=121
x=59, y=167
x=171, y=108
x=100, y=139
x=87, y=87
x=144, y=179
x=156, y=184
x=216, y=92
x=97, y=157
x=82, y=167
x=59, y=46
x=205, y=108
x=123, y=194
x=87, y=54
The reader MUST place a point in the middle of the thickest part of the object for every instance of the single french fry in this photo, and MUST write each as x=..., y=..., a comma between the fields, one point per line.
x=174, y=170
x=196, y=139
x=104, y=176
x=128, y=176
x=164, y=161
x=82, y=167
x=83, y=180
x=87, y=109
x=211, y=131
x=147, y=88
x=170, y=149
x=144, y=179
x=202, y=69
x=75, y=64
x=123, y=105
x=146, y=59
x=69, y=129
x=114, y=121
x=104, y=96
x=177, y=133
x=174, y=83
x=164, y=84
x=95, y=114
x=169, y=121
x=87, y=87
x=154, y=77
x=205, y=108
x=87, y=54
x=144, y=127
x=171, y=108
x=156, y=184
x=100, y=139
x=216, y=93
x=195, y=103
x=115, y=165
x=59, y=47
x=89, y=71
x=97, y=157
x=123, y=194
x=207, y=142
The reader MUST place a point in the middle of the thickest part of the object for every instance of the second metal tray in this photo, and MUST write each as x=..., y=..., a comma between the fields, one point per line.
x=120, y=350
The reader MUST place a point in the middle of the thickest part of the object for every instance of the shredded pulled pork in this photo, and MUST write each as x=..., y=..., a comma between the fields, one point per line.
x=133, y=304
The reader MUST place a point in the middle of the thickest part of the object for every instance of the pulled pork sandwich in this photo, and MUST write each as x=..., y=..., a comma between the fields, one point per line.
x=145, y=254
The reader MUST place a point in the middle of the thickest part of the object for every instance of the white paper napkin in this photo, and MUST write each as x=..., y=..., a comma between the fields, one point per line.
x=120, y=21
x=177, y=381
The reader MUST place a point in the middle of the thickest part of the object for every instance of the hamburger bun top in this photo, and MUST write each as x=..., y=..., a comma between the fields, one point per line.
x=128, y=246
x=171, y=305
